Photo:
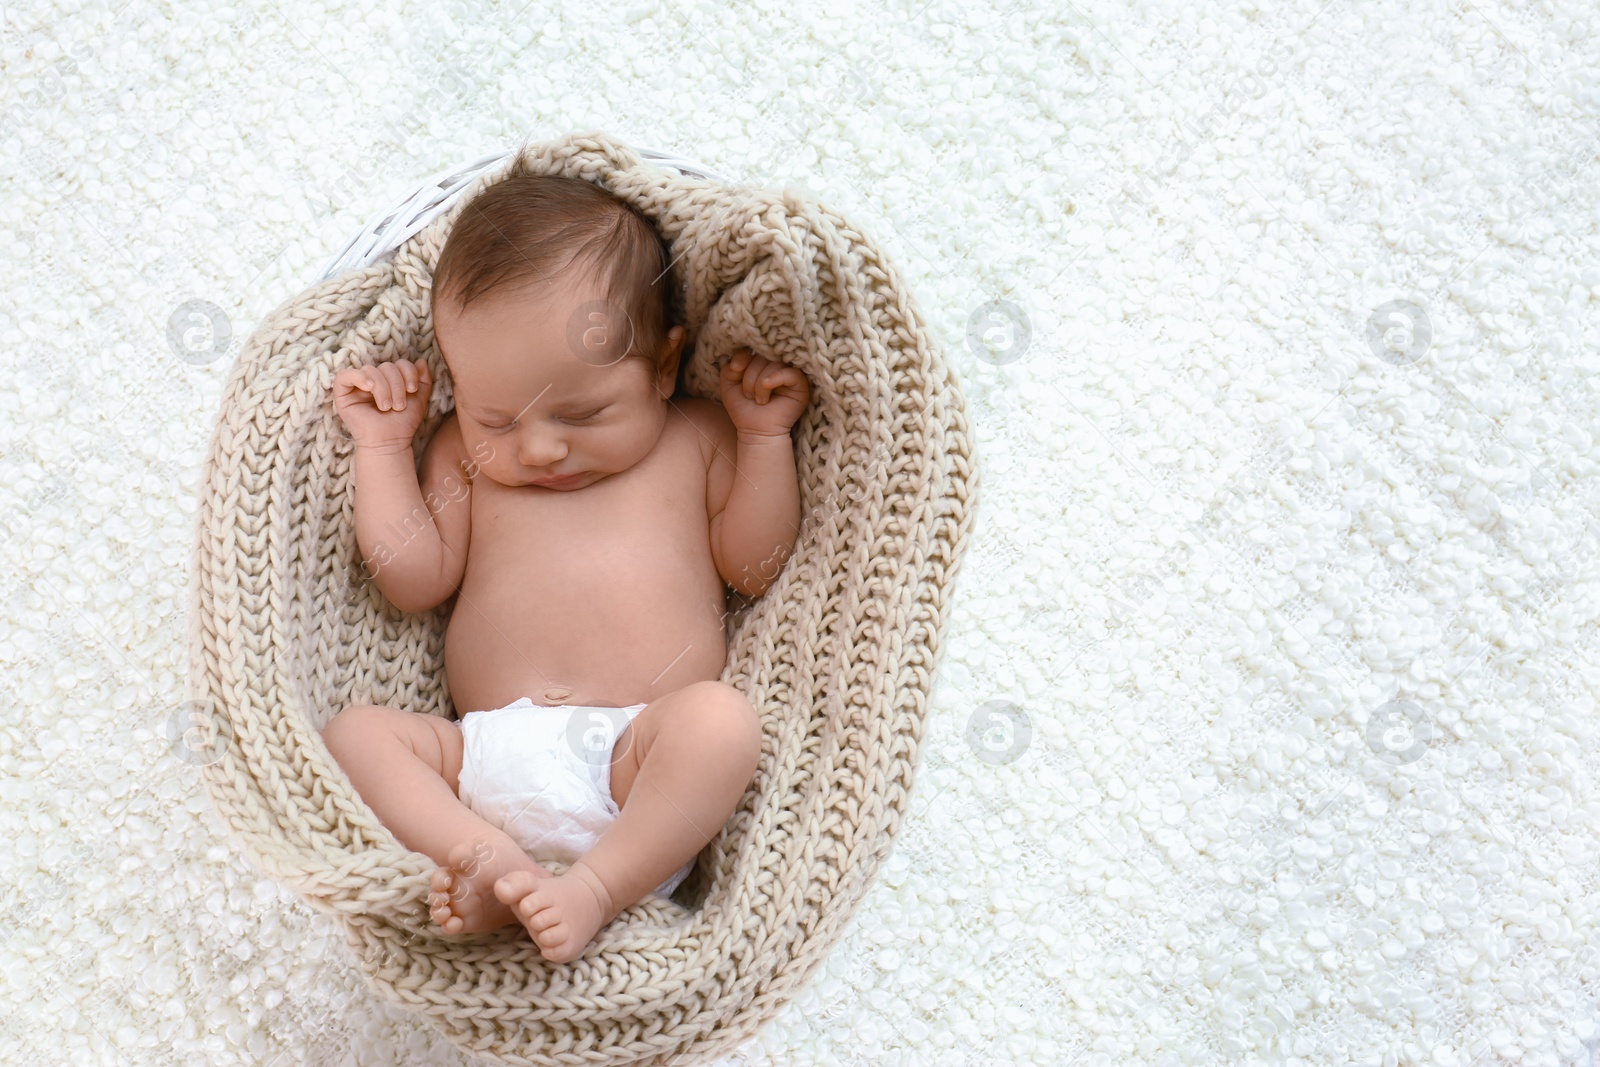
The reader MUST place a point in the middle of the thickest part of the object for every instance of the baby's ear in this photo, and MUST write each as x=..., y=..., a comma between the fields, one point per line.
x=675, y=338
x=671, y=362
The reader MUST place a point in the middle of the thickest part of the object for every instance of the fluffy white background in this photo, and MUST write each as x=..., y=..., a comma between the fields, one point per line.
x=1227, y=551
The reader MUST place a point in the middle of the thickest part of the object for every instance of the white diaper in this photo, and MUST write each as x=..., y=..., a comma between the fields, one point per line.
x=543, y=775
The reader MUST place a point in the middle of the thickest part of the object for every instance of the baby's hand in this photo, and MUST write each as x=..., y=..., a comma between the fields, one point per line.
x=762, y=397
x=373, y=402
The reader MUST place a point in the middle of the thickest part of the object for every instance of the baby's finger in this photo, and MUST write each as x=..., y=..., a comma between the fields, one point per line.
x=772, y=375
x=394, y=379
x=424, y=382
x=378, y=385
x=787, y=378
x=408, y=372
x=752, y=375
x=348, y=381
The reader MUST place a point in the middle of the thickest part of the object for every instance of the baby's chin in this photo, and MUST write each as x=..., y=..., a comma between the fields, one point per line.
x=583, y=481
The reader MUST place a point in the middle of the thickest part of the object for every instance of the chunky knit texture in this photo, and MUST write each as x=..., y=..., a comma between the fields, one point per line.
x=837, y=656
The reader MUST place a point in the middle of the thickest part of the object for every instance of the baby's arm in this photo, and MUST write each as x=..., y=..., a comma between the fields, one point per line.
x=412, y=535
x=752, y=536
x=754, y=533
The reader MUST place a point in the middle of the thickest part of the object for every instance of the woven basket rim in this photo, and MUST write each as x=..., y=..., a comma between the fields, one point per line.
x=430, y=197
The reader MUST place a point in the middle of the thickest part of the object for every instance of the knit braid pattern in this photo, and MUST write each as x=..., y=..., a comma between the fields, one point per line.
x=837, y=657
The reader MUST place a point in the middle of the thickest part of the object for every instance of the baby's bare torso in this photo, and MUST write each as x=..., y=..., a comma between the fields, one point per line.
x=604, y=596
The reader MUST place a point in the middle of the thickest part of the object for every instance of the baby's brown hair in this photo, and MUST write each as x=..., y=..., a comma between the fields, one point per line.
x=529, y=227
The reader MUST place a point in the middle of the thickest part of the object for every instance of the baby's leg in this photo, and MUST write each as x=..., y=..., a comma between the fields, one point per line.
x=677, y=773
x=407, y=767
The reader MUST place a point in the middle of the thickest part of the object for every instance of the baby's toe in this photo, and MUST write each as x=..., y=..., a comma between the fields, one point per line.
x=565, y=950
x=552, y=939
x=538, y=917
x=511, y=888
x=443, y=915
x=514, y=886
x=442, y=900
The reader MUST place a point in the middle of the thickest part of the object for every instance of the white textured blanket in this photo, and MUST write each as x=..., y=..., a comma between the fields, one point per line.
x=1267, y=731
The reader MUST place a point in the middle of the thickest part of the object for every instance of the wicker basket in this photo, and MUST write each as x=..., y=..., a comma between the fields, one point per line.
x=433, y=196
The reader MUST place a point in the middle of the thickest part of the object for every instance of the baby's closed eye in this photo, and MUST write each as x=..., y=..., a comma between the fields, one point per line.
x=502, y=427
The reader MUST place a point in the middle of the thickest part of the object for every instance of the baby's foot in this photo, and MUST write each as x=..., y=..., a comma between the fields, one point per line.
x=562, y=913
x=462, y=900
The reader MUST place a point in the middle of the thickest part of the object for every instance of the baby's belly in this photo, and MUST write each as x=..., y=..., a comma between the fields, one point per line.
x=604, y=621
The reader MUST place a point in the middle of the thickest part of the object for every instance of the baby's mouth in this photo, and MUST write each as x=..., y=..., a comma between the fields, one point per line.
x=557, y=483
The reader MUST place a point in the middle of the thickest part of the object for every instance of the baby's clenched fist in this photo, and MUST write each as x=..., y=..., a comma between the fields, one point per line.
x=762, y=397
x=382, y=405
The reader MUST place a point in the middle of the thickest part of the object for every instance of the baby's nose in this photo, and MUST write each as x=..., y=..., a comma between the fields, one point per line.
x=539, y=447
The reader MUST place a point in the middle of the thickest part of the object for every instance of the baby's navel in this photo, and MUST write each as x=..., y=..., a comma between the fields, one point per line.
x=557, y=693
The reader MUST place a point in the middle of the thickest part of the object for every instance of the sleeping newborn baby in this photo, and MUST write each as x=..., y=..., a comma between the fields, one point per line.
x=582, y=520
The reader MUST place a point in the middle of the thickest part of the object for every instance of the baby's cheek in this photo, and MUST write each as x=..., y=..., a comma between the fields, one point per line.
x=482, y=453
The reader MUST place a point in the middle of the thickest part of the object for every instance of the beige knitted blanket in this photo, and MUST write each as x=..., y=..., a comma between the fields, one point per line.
x=837, y=657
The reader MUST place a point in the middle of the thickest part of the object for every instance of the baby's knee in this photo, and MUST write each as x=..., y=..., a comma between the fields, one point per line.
x=354, y=724
x=726, y=713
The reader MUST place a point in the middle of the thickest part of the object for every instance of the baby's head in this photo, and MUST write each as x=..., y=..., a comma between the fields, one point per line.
x=550, y=307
